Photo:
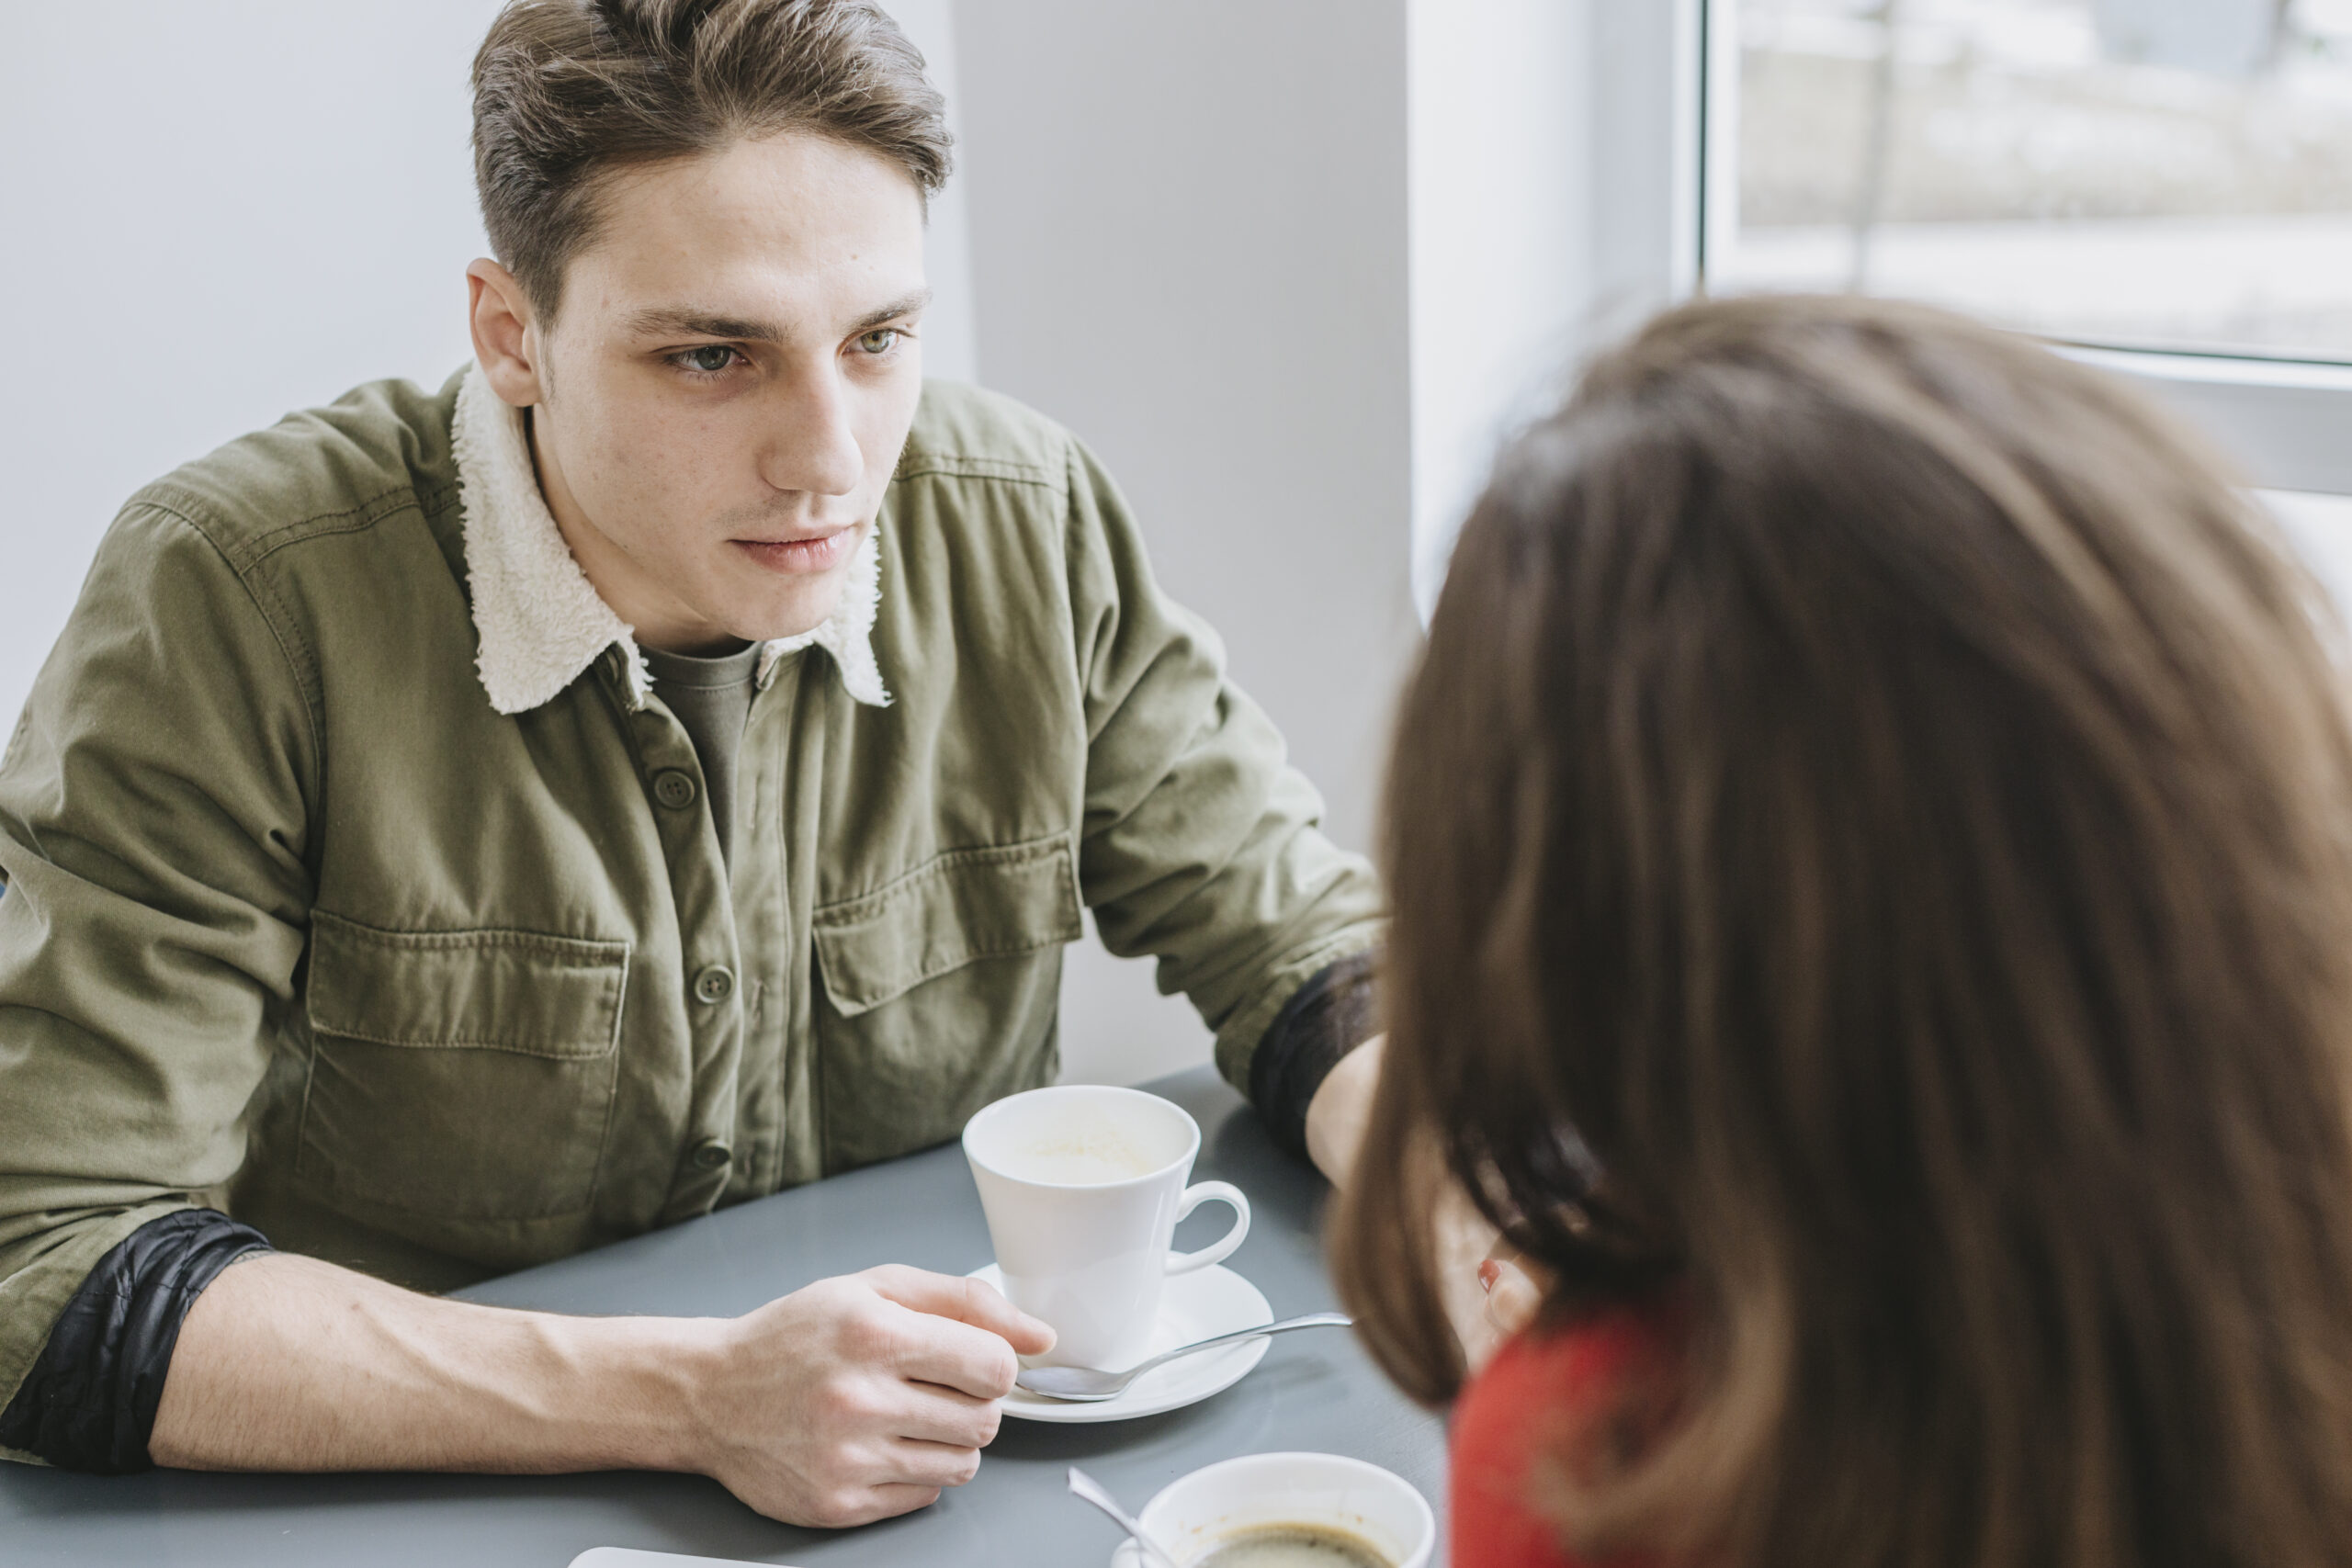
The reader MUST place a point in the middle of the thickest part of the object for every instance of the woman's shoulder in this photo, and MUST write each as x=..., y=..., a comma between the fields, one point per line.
x=1596, y=1386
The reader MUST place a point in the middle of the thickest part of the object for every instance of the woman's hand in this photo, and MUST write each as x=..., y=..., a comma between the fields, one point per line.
x=1491, y=1291
x=1515, y=1290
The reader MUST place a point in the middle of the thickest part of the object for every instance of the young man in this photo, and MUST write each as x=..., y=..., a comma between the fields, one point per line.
x=663, y=766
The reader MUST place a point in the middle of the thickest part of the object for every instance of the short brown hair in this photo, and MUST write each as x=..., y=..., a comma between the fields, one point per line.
x=566, y=90
x=1870, y=840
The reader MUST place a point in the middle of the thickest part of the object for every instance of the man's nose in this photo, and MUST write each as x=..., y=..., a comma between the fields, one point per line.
x=810, y=445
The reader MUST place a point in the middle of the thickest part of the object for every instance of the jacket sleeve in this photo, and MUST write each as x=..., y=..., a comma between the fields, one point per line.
x=152, y=823
x=89, y=1402
x=1200, y=844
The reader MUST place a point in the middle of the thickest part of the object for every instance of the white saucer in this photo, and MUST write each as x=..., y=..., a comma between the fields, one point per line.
x=1194, y=1306
x=629, y=1557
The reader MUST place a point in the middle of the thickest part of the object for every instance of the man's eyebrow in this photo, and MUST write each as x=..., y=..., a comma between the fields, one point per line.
x=906, y=305
x=688, y=321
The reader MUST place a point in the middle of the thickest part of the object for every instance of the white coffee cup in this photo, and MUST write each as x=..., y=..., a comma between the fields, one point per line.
x=1082, y=1186
x=1195, y=1513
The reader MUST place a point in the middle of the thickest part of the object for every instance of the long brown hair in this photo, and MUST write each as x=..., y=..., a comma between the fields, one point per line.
x=1870, y=840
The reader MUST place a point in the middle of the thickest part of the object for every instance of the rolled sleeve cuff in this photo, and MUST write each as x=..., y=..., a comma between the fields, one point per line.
x=1325, y=1019
x=90, y=1400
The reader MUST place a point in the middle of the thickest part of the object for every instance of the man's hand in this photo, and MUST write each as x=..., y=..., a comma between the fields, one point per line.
x=861, y=1397
x=848, y=1401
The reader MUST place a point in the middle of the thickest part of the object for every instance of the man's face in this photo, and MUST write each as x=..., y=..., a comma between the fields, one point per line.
x=730, y=379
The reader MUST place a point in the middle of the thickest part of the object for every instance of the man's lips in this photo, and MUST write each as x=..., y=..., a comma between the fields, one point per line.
x=803, y=556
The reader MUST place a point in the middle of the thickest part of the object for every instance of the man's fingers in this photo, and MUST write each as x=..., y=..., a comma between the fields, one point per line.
x=965, y=1300
x=919, y=1463
x=869, y=1504
x=955, y=1356
x=902, y=1498
x=937, y=1413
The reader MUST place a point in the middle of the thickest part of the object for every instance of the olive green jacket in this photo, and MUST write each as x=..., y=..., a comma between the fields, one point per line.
x=359, y=884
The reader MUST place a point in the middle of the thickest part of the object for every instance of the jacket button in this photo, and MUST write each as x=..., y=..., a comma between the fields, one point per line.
x=710, y=1153
x=715, y=984
x=674, y=789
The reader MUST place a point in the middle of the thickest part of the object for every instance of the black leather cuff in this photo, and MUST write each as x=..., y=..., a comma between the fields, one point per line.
x=89, y=1402
x=1324, y=1020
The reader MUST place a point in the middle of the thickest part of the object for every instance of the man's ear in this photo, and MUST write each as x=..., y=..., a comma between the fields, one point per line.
x=505, y=340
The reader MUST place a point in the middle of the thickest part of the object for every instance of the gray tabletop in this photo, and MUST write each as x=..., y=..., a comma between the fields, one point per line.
x=1313, y=1391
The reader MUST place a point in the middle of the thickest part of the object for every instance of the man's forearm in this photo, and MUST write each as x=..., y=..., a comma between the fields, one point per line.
x=289, y=1363
x=849, y=1400
x=1337, y=1116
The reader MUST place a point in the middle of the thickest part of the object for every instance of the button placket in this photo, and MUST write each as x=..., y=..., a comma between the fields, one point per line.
x=772, y=746
x=674, y=784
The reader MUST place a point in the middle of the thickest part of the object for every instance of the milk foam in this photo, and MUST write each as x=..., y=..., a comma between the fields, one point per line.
x=1088, y=1153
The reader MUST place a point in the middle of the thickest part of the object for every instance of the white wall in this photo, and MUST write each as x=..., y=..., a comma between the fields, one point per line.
x=1500, y=168
x=215, y=213
x=949, y=333
x=1188, y=232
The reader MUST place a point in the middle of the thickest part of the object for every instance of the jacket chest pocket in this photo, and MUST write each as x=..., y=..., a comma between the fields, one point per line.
x=941, y=992
x=462, y=1074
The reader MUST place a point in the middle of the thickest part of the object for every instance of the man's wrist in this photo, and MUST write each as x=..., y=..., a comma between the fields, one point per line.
x=1341, y=1109
x=651, y=1378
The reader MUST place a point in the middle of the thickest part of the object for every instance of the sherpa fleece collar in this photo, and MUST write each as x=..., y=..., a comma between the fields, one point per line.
x=541, y=622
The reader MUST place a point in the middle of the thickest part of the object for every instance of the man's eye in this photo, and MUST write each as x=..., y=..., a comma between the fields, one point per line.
x=711, y=359
x=881, y=340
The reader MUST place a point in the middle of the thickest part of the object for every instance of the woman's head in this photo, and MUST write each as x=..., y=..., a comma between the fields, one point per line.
x=1874, y=782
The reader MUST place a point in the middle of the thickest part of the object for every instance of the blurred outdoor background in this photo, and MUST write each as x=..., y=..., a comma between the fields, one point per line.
x=2168, y=173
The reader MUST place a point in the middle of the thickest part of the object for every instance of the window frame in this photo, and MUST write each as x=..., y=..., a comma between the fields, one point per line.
x=2288, y=422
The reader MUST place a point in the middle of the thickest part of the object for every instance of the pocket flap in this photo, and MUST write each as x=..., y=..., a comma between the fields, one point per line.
x=499, y=990
x=967, y=904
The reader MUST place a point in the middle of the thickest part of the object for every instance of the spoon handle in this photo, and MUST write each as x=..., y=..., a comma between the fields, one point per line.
x=1312, y=1320
x=1092, y=1491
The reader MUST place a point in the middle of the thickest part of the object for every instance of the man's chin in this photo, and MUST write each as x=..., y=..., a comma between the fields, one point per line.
x=795, y=614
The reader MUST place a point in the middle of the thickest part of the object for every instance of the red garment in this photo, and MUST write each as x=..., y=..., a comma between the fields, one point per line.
x=1540, y=1394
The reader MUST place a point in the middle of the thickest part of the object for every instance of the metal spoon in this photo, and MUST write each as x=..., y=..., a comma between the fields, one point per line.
x=1085, y=1385
x=1087, y=1487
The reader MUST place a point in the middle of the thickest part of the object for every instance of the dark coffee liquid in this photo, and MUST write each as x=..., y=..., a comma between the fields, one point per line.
x=1294, y=1546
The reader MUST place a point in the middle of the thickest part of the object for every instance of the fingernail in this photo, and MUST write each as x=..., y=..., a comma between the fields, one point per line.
x=1488, y=1272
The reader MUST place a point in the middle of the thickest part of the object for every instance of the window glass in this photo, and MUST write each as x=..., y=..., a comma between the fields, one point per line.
x=2171, y=173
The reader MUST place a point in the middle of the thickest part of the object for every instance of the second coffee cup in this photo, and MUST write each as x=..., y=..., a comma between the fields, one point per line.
x=1082, y=1186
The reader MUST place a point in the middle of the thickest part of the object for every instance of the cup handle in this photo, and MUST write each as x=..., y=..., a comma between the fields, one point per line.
x=1217, y=1251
